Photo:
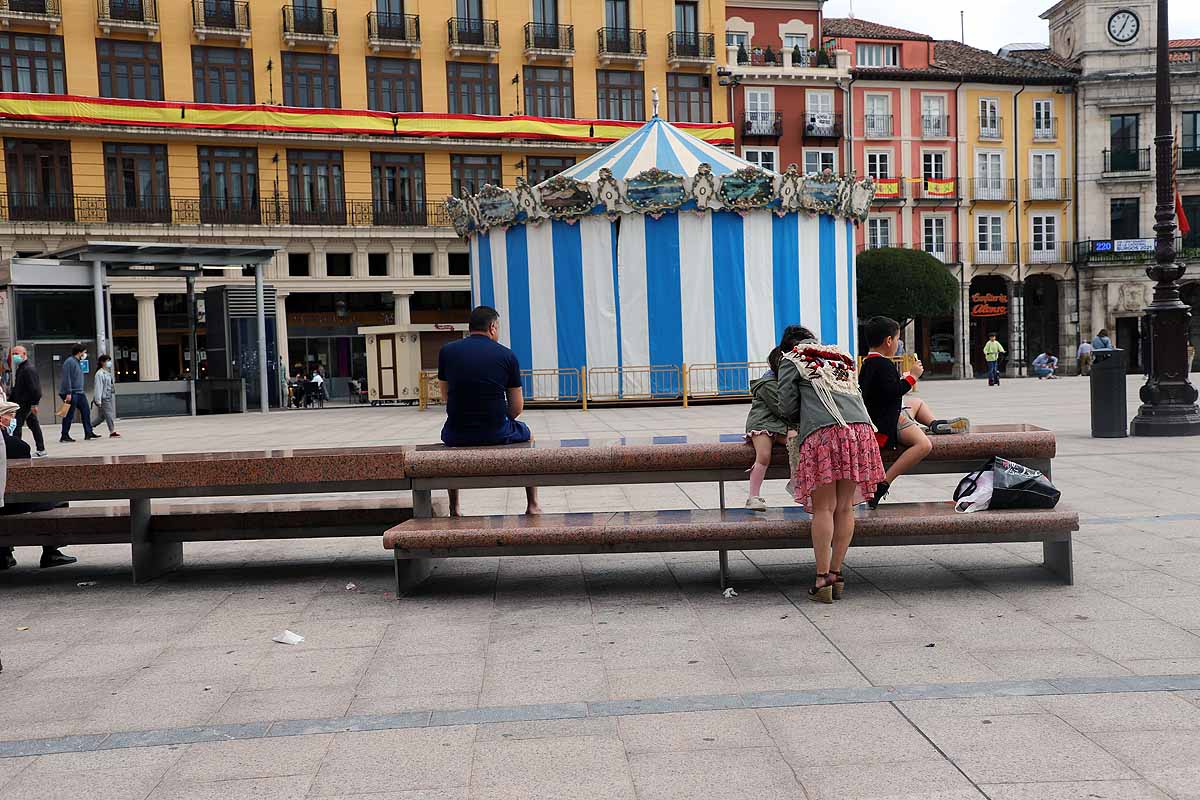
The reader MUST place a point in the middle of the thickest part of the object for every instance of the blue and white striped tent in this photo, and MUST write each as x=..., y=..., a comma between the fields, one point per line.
x=699, y=284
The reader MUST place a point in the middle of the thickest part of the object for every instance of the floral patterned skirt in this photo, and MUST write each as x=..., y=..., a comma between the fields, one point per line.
x=836, y=453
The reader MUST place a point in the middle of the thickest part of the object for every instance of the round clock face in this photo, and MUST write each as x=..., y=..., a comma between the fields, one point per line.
x=1123, y=26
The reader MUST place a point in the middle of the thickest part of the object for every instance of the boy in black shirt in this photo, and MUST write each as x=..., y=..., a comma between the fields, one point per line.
x=897, y=423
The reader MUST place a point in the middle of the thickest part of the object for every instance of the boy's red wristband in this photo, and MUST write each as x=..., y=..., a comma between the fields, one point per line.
x=911, y=380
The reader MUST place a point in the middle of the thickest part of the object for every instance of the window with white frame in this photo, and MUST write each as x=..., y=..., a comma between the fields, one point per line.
x=877, y=55
x=817, y=161
x=933, y=165
x=879, y=232
x=934, y=122
x=934, y=236
x=879, y=115
x=1043, y=243
x=737, y=39
x=1043, y=176
x=762, y=157
x=760, y=112
x=1043, y=119
x=818, y=112
x=989, y=176
x=989, y=118
x=989, y=239
x=879, y=164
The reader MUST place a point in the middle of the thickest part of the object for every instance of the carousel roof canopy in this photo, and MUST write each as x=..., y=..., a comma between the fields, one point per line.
x=657, y=144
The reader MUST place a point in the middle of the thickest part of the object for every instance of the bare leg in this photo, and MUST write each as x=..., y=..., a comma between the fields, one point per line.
x=824, y=504
x=454, y=512
x=920, y=410
x=843, y=523
x=916, y=445
x=762, y=461
x=531, y=501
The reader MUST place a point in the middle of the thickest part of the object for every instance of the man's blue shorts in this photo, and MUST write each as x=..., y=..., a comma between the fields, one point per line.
x=513, y=432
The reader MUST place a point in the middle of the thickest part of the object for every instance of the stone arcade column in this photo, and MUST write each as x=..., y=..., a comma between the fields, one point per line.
x=147, y=337
x=403, y=314
x=281, y=332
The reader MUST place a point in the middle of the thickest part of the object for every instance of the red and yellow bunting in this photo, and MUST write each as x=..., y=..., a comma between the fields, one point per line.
x=206, y=116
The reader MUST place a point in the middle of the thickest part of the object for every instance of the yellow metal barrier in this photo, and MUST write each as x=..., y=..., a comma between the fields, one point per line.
x=722, y=381
x=904, y=363
x=634, y=384
x=544, y=387
x=430, y=393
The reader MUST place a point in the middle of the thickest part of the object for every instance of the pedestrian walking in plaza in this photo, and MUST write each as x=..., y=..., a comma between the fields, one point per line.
x=14, y=449
x=1083, y=358
x=480, y=382
x=1045, y=365
x=104, y=397
x=1102, y=341
x=835, y=451
x=765, y=427
x=27, y=393
x=899, y=418
x=70, y=389
x=992, y=350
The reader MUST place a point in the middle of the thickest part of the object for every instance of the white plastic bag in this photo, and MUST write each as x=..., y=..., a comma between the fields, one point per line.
x=974, y=492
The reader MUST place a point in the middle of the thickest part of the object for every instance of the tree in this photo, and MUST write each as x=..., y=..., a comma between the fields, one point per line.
x=904, y=284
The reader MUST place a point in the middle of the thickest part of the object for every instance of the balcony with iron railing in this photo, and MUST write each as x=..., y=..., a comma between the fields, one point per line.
x=471, y=35
x=387, y=31
x=935, y=126
x=309, y=25
x=1127, y=160
x=1189, y=156
x=545, y=41
x=992, y=190
x=1045, y=129
x=991, y=127
x=42, y=13
x=796, y=57
x=1047, y=189
x=221, y=19
x=128, y=16
x=621, y=45
x=890, y=189
x=762, y=123
x=1131, y=251
x=878, y=126
x=1049, y=252
x=994, y=253
x=936, y=190
x=822, y=125
x=68, y=208
x=691, y=49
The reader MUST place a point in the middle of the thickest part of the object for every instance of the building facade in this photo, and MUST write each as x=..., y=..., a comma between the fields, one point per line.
x=1112, y=51
x=332, y=129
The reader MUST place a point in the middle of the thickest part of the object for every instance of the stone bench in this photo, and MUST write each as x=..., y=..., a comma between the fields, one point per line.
x=419, y=543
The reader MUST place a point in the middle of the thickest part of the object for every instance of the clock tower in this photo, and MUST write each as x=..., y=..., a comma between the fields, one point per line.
x=1103, y=35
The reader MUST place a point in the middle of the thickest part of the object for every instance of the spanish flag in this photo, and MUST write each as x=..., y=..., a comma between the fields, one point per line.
x=887, y=187
x=945, y=188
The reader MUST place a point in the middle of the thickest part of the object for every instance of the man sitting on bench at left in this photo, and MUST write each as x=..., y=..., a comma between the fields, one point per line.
x=480, y=381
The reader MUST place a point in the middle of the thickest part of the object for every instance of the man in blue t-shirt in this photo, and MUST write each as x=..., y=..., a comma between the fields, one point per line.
x=480, y=381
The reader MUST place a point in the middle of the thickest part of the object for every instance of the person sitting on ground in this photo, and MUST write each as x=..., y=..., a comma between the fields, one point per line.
x=14, y=449
x=764, y=427
x=897, y=419
x=480, y=383
x=1045, y=365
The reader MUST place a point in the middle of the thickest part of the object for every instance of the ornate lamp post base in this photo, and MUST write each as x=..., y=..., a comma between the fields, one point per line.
x=1168, y=398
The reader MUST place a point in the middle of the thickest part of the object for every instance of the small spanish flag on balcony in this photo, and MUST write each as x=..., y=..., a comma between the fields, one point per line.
x=941, y=188
x=887, y=187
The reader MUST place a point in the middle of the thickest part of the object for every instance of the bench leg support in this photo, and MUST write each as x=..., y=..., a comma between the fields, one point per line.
x=1056, y=557
x=410, y=573
x=723, y=556
x=150, y=558
x=422, y=503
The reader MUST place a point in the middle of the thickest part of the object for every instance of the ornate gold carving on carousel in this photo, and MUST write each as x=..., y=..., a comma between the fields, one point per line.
x=747, y=189
x=496, y=207
x=608, y=193
x=566, y=198
x=704, y=188
x=654, y=191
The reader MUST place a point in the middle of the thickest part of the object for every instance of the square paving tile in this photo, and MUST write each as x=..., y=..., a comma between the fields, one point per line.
x=816, y=736
x=1075, y=790
x=250, y=758
x=698, y=730
x=890, y=781
x=581, y=767
x=535, y=682
x=761, y=773
x=399, y=760
x=1133, y=711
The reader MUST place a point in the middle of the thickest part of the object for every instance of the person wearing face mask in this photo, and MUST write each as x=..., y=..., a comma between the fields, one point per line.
x=15, y=449
x=27, y=393
x=70, y=389
x=105, y=397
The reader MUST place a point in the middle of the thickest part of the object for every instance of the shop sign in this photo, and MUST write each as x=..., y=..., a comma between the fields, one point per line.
x=1133, y=246
x=985, y=304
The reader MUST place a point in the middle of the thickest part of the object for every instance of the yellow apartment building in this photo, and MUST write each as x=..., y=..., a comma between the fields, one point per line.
x=332, y=129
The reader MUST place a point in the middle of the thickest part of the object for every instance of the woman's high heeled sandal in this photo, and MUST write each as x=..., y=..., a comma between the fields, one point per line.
x=839, y=585
x=824, y=593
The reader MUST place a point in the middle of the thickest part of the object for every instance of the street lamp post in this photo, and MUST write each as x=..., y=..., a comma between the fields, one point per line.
x=1168, y=398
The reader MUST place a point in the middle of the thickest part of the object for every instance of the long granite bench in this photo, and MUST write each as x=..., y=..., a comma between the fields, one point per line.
x=678, y=459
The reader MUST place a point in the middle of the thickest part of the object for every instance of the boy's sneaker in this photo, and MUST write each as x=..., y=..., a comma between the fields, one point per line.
x=881, y=491
x=943, y=426
x=756, y=504
x=39, y=453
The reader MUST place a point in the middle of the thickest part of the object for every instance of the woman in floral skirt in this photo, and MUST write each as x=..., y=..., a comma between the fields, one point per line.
x=835, y=450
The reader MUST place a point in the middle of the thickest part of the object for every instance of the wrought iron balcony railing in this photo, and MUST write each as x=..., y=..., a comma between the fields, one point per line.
x=690, y=46
x=1047, y=189
x=993, y=253
x=936, y=190
x=47, y=12
x=935, y=126
x=1131, y=160
x=1045, y=128
x=762, y=123
x=1049, y=252
x=127, y=14
x=551, y=38
x=993, y=190
x=878, y=126
x=307, y=21
x=821, y=125
x=621, y=43
x=221, y=15
x=473, y=33
x=991, y=126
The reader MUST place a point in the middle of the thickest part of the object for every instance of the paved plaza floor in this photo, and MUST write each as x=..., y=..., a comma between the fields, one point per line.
x=947, y=672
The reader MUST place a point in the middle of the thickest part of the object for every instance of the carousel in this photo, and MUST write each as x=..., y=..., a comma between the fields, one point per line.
x=659, y=256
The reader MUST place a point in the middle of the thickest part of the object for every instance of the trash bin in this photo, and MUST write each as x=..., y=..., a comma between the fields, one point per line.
x=1110, y=415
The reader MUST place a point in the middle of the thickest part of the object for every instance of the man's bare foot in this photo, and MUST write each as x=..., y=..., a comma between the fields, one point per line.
x=533, y=508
